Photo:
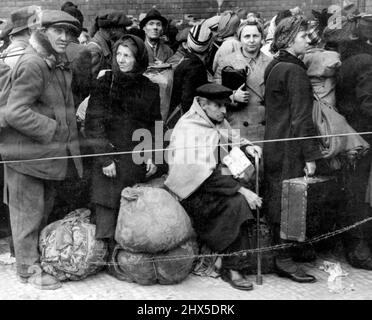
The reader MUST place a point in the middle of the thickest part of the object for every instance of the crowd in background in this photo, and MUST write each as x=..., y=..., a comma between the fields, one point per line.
x=67, y=92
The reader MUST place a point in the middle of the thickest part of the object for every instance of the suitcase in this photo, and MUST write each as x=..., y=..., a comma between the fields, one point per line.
x=308, y=207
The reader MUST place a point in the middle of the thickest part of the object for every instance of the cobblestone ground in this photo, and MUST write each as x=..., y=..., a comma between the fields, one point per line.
x=357, y=285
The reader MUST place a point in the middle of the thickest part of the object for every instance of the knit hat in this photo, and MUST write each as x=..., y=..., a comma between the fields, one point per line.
x=286, y=32
x=199, y=38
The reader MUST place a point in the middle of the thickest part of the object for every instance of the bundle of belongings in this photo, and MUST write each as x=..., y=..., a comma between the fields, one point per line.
x=162, y=75
x=156, y=242
x=69, y=250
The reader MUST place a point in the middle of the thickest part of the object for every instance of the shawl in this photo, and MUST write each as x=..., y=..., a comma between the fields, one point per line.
x=195, y=141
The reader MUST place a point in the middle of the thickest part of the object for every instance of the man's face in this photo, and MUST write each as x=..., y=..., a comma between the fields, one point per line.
x=251, y=39
x=300, y=43
x=153, y=29
x=214, y=109
x=59, y=38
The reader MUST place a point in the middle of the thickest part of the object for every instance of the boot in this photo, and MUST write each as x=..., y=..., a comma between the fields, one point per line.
x=359, y=255
x=287, y=268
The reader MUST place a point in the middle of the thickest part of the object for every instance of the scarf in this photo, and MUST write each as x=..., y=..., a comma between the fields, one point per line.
x=195, y=139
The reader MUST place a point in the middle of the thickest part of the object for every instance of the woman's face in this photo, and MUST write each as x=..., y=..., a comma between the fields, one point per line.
x=300, y=43
x=125, y=59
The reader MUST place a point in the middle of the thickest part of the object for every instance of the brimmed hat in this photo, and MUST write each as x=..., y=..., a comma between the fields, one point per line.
x=60, y=18
x=24, y=18
x=154, y=14
x=112, y=19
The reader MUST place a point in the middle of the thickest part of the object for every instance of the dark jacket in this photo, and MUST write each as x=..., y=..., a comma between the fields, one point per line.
x=120, y=103
x=80, y=59
x=190, y=74
x=289, y=105
x=354, y=87
x=100, y=50
x=40, y=115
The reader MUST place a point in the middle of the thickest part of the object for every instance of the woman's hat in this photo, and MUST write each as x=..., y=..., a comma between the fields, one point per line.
x=154, y=14
x=199, y=38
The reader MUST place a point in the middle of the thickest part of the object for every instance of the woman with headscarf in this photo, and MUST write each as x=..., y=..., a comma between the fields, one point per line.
x=122, y=101
x=289, y=105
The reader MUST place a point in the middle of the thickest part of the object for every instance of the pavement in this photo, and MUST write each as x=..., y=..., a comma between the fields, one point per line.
x=356, y=285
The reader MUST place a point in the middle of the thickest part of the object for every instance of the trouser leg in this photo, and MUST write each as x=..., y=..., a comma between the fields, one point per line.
x=30, y=202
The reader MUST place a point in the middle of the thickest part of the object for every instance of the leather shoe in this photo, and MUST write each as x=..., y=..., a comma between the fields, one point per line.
x=293, y=272
x=240, y=284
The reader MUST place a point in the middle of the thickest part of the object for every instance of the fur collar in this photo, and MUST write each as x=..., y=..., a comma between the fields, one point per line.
x=41, y=45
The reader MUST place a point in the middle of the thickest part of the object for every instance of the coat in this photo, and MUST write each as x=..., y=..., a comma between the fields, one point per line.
x=118, y=106
x=40, y=115
x=80, y=59
x=289, y=104
x=190, y=74
x=161, y=52
x=249, y=119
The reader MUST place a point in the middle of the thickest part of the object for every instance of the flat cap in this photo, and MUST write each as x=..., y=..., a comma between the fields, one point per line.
x=214, y=91
x=109, y=18
x=60, y=18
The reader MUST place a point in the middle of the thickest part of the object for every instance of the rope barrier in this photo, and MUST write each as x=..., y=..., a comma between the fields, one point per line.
x=182, y=148
x=252, y=251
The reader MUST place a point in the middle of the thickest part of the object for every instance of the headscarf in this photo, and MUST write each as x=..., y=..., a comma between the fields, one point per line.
x=137, y=46
x=286, y=32
x=227, y=25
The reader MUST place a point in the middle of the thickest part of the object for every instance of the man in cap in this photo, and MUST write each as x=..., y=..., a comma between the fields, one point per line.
x=218, y=204
x=41, y=123
x=154, y=25
x=109, y=26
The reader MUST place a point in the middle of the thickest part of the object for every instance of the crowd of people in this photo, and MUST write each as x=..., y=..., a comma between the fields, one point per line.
x=233, y=77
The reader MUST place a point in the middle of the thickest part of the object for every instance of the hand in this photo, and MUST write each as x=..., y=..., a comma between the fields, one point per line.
x=254, y=201
x=151, y=168
x=110, y=171
x=310, y=168
x=253, y=150
x=240, y=95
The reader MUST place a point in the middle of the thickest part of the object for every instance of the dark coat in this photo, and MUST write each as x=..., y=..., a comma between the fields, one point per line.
x=100, y=50
x=119, y=105
x=80, y=59
x=354, y=87
x=190, y=74
x=40, y=115
x=289, y=105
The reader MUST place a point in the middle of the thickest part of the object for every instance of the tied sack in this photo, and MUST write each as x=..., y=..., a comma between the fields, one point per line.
x=162, y=75
x=69, y=250
x=329, y=122
x=164, y=268
x=151, y=220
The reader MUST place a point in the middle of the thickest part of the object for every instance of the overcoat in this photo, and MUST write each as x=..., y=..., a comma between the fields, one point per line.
x=289, y=104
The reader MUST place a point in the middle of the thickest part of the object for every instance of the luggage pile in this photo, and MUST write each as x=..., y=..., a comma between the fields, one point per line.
x=156, y=242
x=69, y=250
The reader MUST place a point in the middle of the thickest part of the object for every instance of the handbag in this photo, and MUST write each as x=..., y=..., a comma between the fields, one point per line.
x=329, y=122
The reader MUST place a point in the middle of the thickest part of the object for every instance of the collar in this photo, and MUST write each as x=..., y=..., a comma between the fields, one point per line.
x=285, y=56
x=251, y=59
x=152, y=46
